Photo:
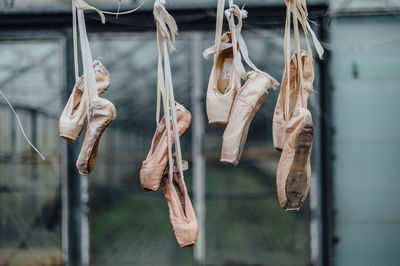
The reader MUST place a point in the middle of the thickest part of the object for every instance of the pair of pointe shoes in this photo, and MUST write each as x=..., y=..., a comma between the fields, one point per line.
x=234, y=107
x=293, y=136
x=154, y=173
x=101, y=113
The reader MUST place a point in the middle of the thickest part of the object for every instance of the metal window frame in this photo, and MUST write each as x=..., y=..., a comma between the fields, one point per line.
x=18, y=21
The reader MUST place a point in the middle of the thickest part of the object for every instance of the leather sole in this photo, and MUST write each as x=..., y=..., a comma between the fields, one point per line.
x=296, y=183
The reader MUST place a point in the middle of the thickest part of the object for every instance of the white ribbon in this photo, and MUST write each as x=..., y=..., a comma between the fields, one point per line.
x=87, y=60
x=83, y=5
x=218, y=29
x=166, y=42
x=90, y=88
x=237, y=42
x=299, y=10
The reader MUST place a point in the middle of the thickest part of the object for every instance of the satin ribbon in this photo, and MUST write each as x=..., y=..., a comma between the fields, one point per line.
x=89, y=80
x=238, y=44
x=166, y=31
x=83, y=5
x=297, y=8
x=218, y=27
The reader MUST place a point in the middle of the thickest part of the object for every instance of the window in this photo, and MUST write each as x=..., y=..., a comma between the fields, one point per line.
x=32, y=77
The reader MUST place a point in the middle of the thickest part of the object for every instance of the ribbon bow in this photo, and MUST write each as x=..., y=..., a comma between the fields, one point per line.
x=164, y=19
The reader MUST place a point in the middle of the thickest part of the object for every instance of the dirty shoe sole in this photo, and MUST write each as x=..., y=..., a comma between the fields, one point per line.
x=296, y=183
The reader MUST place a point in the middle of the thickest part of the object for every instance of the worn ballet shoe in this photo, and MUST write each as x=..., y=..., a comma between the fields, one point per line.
x=102, y=76
x=73, y=117
x=247, y=102
x=294, y=138
x=222, y=85
x=279, y=121
x=154, y=165
x=102, y=112
x=294, y=171
x=181, y=213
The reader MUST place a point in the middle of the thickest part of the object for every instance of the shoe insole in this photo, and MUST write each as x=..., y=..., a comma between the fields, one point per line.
x=77, y=98
x=224, y=76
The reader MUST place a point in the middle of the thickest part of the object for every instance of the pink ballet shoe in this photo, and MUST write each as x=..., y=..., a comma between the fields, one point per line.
x=102, y=112
x=73, y=117
x=154, y=165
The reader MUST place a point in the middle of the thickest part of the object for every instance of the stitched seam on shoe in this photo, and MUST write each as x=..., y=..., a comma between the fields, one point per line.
x=293, y=149
x=153, y=167
x=244, y=101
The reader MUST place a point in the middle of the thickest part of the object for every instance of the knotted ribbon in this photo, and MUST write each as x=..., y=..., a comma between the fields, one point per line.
x=87, y=59
x=166, y=31
x=238, y=43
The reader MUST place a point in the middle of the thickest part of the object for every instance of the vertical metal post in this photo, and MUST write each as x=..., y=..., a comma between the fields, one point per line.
x=325, y=184
x=74, y=202
x=85, y=220
x=34, y=168
x=197, y=151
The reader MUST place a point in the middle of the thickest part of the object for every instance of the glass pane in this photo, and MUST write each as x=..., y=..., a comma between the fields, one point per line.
x=31, y=75
x=364, y=4
x=366, y=143
x=244, y=223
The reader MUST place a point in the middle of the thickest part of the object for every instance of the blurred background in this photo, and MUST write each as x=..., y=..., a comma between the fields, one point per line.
x=50, y=215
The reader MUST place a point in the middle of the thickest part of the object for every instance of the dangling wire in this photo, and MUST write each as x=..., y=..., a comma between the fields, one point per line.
x=20, y=126
x=119, y=8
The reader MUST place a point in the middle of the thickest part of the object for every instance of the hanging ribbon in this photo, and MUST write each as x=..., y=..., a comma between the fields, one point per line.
x=90, y=88
x=238, y=44
x=83, y=5
x=298, y=9
x=218, y=29
x=166, y=31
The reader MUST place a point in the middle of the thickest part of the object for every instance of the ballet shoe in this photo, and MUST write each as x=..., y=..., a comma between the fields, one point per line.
x=222, y=85
x=154, y=165
x=247, y=102
x=74, y=115
x=101, y=114
x=181, y=213
x=294, y=169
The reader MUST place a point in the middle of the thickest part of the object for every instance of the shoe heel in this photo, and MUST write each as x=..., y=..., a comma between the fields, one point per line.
x=219, y=108
x=70, y=131
x=150, y=178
